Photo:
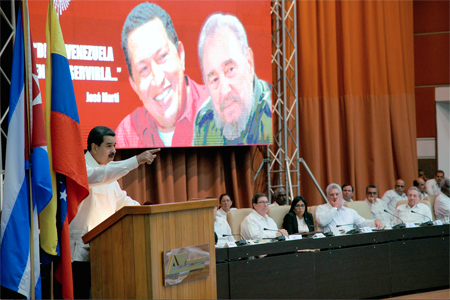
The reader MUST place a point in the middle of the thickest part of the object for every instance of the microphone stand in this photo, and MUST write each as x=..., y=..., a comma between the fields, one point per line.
x=352, y=231
x=278, y=238
x=241, y=242
x=329, y=232
x=401, y=225
x=427, y=223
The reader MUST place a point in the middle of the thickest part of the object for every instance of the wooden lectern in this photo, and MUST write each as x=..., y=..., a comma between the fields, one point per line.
x=128, y=252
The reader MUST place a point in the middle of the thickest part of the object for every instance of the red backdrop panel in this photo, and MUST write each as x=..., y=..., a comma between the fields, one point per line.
x=99, y=23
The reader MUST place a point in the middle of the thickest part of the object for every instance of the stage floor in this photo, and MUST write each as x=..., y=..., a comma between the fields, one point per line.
x=438, y=294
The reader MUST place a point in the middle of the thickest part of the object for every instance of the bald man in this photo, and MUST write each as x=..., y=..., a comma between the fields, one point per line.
x=391, y=197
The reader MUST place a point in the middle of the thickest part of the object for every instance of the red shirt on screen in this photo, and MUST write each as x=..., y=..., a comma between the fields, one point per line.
x=138, y=129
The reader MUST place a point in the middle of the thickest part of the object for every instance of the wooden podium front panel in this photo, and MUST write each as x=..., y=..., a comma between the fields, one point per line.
x=127, y=257
x=182, y=229
x=118, y=264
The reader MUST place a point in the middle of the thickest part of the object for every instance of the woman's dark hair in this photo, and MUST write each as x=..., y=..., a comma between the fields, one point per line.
x=297, y=200
x=220, y=199
x=223, y=195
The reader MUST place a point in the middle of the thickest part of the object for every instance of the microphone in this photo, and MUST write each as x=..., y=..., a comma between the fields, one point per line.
x=278, y=238
x=354, y=230
x=327, y=233
x=345, y=225
x=427, y=223
x=238, y=243
x=401, y=225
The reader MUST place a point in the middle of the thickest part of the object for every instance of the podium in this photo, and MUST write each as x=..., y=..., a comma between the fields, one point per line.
x=155, y=252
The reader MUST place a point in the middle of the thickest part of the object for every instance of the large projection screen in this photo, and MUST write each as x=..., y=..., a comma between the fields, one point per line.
x=167, y=101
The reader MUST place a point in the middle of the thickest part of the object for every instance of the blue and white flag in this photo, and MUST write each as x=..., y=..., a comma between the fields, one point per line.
x=25, y=150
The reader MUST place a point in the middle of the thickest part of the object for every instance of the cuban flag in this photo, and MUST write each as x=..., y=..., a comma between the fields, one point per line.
x=26, y=159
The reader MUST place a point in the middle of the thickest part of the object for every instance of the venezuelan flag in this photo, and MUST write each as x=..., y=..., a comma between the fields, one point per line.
x=65, y=150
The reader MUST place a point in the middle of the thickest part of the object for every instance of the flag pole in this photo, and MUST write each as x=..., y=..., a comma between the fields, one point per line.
x=28, y=86
x=49, y=144
x=52, y=295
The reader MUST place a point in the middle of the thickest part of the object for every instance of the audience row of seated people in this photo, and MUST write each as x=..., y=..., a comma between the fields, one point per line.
x=334, y=216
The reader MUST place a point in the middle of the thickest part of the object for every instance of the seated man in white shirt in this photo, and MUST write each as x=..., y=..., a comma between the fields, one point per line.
x=221, y=227
x=347, y=192
x=252, y=227
x=433, y=185
x=413, y=211
x=420, y=184
x=376, y=205
x=280, y=197
x=391, y=197
x=335, y=217
x=442, y=202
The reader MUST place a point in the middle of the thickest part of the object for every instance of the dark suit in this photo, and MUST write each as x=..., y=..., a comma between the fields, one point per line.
x=291, y=225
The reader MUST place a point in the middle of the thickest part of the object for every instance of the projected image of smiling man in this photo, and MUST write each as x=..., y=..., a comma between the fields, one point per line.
x=156, y=63
x=238, y=111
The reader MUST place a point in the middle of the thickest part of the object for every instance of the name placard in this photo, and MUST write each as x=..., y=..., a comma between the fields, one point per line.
x=367, y=229
x=318, y=235
x=184, y=264
x=230, y=245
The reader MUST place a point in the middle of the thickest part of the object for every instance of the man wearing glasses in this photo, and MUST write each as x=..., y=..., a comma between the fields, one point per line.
x=252, y=228
x=376, y=205
x=280, y=197
x=391, y=197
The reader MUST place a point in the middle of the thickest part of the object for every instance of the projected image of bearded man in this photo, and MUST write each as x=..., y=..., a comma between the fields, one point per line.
x=238, y=111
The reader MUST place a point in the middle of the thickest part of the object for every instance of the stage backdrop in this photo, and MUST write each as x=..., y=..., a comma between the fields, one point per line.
x=357, y=117
x=92, y=33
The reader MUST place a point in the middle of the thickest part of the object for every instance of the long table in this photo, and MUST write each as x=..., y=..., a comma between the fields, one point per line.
x=356, y=266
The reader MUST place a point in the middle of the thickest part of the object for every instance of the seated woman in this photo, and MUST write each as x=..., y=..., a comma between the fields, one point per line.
x=221, y=228
x=298, y=219
x=225, y=206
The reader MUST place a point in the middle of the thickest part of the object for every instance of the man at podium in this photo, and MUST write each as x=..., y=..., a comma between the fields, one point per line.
x=104, y=199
